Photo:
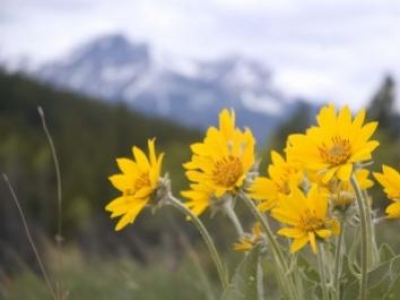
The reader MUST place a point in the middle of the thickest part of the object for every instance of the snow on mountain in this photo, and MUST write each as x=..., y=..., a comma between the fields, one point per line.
x=188, y=91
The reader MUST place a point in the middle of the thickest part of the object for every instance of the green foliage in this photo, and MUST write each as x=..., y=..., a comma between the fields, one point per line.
x=382, y=106
x=118, y=278
x=88, y=136
x=309, y=276
x=247, y=279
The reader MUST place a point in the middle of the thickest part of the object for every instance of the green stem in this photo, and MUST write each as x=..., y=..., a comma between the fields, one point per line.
x=278, y=254
x=325, y=293
x=374, y=258
x=30, y=239
x=297, y=276
x=206, y=237
x=260, y=286
x=338, y=262
x=230, y=212
x=364, y=238
x=59, y=235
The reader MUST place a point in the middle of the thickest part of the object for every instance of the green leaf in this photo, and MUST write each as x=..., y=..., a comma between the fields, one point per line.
x=349, y=284
x=394, y=290
x=386, y=253
x=247, y=281
x=309, y=277
x=384, y=280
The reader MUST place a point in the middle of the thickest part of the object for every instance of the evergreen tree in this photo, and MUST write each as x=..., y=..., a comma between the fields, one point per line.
x=382, y=107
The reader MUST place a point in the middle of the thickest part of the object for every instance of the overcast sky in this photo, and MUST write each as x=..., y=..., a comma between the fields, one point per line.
x=324, y=50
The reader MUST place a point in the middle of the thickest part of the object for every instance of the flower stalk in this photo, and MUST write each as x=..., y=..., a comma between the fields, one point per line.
x=223, y=276
x=374, y=253
x=276, y=250
x=321, y=267
x=338, y=262
x=364, y=238
x=230, y=212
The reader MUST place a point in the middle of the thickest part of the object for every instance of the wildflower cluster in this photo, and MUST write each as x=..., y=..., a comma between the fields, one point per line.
x=312, y=191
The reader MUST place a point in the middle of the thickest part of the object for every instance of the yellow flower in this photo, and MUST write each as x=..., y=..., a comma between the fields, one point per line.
x=247, y=243
x=221, y=162
x=335, y=145
x=200, y=198
x=342, y=193
x=307, y=216
x=283, y=177
x=390, y=180
x=138, y=182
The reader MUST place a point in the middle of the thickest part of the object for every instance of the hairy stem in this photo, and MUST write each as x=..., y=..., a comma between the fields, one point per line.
x=372, y=246
x=277, y=252
x=321, y=266
x=338, y=262
x=206, y=237
x=230, y=212
x=364, y=238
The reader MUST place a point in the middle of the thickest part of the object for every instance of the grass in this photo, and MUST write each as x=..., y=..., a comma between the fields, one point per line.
x=168, y=276
x=117, y=278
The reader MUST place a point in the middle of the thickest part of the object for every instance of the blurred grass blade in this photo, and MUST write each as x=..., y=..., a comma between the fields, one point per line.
x=29, y=236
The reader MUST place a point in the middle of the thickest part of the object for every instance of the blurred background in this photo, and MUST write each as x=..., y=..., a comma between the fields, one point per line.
x=110, y=74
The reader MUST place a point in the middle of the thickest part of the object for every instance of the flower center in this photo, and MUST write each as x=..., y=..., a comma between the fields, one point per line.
x=227, y=171
x=283, y=187
x=338, y=153
x=310, y=222
x=141, y=181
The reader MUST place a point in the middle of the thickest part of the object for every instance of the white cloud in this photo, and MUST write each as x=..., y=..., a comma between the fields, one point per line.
x=319, y=49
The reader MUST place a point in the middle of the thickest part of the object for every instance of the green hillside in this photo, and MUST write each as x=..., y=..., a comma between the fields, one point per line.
x=88, y=136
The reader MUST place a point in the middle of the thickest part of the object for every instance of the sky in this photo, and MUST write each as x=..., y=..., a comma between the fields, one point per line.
x=322, y=50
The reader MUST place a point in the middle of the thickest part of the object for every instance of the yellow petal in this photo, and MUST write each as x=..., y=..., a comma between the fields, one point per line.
x=323, y=233
x=298, y=243
x=335, y=226
x=266, y=205
x=359, y=119
x=313, y=243
x=227, y=123
x=276, y=158
x=130, y=217
x=126, y=165
x=318, y=200
x=152, y=152
x=364, y=153
x=285, y=216
x=329, y=174
x=366, y=132
x=344, y=121
x=245, y=244
x=393, y=210
x=141, y=159
x=121, y=182
x=391, y=174
x=327, y=117
x=291, y=232
x=115, y=203
x=144, y=192
x=197, y=208
x=344, y=172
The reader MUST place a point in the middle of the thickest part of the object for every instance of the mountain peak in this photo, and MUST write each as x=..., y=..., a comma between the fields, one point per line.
x=111, y=39
x=191, y=91
x=113, y=48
